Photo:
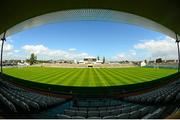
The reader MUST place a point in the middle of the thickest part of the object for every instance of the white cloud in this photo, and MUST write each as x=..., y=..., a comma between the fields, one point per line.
x=35, y=49
x=120, y=56
x=72, y=49
x=8, y=48
x=59, y=54
x=16, y=51
x=159, y=48
x=129, y=55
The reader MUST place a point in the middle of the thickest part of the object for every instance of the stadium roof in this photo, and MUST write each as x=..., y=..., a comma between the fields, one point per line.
x=17, y=15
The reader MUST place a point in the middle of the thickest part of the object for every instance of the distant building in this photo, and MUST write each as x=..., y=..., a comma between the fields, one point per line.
x=81, y=62
x=171, y=61
x=75, y=61
x=99, y=62
x=143, y=63
x=90, y=60
x=23, y=64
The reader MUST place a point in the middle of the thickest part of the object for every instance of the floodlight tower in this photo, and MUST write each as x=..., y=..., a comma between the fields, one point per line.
x=3, y=39
x=177, y=42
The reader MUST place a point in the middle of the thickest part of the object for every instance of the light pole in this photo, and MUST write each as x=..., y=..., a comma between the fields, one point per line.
x=177, y=42
x=2, y=45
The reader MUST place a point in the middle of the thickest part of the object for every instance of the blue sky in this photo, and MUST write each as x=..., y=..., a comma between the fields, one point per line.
x=77, y=39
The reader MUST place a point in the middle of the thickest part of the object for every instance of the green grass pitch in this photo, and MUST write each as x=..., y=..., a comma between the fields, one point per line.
x=89, y=77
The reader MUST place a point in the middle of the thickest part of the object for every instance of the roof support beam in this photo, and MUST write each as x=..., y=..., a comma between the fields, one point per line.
x=3, y=39
x=177, y=42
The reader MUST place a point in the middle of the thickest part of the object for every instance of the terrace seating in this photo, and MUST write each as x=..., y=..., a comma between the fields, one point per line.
x=109, y=117
x=19, y=99
x=77, y=117
x=125, y=110
x=110, y=114
x=70, y=112
x=178, y=97
x=63, y=116
x=162, y=95
x=83, y=102
x=93, y=113
x=94, y=117
x=123, y=116
x=105, y=113
x=156, y=114
x=7, y=103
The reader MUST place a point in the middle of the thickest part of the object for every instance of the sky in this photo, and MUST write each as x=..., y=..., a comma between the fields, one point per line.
x=79, y=39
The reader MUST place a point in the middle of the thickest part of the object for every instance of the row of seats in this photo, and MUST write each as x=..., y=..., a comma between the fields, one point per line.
x=163, y=95
x=111, y=114
x=178, y=97
x=156, y=114
x=123, y=105
x=125, y=110
x=7, y=103
x=97, y=102
x=16, y=98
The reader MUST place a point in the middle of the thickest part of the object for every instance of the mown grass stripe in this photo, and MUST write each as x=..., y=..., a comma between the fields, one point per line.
x=131, y=75
x=99, y=80
x=56, y=77
x=83, y=78
x=107, y=77
x=91, y=75
x=88, y=76
x=119, y=79
x=45, y=73
x=73, y=79
x=62, y=79
x=44, y=77
x=126, y=78
x=149, y=72
x=139, y=72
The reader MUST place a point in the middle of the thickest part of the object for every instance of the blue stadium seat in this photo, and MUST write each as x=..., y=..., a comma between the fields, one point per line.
x=178, y=97
x=82, y=109
x=115, y=112
x=92, y=109
x=60, y=116
x=78, y=117
x=144, y=111
x=7, y=103
x=94, y=118
x=93, y=113
x=81, y=113
x=109, y=117
x=126, y=110
x=134, y=115
x=105, y=113
x=70, y=112
x=123, y=116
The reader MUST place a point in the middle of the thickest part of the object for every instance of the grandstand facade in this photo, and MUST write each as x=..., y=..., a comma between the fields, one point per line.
x=90, y=60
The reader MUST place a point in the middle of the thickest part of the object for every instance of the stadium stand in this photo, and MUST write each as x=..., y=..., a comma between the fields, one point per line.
x=163, y=95
x=125, y=110
x=154, y=104
x=17, y=99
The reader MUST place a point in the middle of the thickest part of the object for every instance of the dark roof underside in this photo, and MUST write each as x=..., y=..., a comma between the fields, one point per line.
x=164, y=12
